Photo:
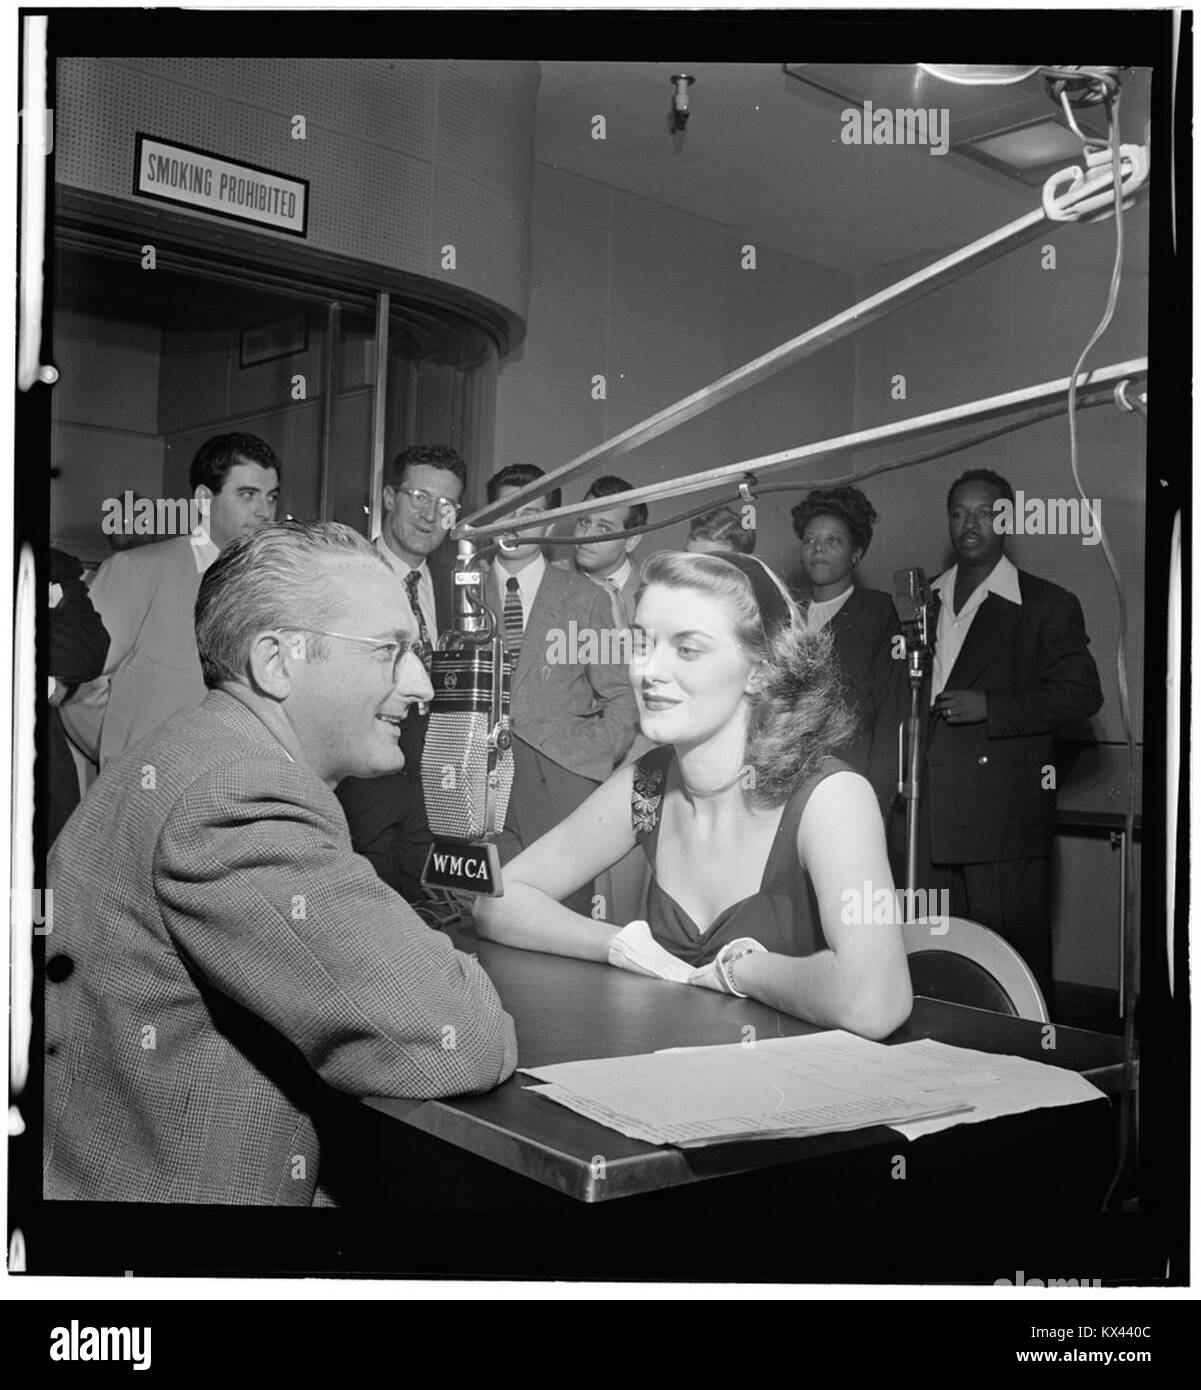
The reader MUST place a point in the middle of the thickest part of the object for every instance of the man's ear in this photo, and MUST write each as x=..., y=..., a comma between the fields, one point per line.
x=273, y=658
x=389, y=497
x=632, y=544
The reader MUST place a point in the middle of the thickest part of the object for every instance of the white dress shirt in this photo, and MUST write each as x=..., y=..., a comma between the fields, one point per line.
x=528, y=580
x=817, y=615
x=953, y=627
x=204, y=552
x=425, y=585
x=619, y=578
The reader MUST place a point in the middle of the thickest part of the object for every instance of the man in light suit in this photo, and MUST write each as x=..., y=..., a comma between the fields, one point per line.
x=387, y=815
x=1011, y=669
x=145, y=598
x=220, y=955
x=572, y=723
x=608, y=562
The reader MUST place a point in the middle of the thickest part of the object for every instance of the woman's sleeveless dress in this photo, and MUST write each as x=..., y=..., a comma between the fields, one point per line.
x=782, y=916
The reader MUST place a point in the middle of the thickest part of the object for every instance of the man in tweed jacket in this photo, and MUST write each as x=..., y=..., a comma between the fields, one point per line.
x=219, y=954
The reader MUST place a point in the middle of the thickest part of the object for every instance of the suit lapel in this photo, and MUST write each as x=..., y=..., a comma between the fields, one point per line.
x=538, y=622
x=441, y=576
x=989, y=632
x=849, y=614
x=628, y=598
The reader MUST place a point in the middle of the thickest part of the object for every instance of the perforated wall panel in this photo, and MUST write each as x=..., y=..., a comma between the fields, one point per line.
x=403, y=156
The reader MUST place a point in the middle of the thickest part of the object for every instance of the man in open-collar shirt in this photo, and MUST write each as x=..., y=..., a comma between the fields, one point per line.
x=1011, y=669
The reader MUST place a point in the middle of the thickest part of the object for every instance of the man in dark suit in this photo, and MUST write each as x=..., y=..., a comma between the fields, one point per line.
x=78, y=647
x=221, y=957
x=1011, y=668
x=387, y=815
x=573, y=721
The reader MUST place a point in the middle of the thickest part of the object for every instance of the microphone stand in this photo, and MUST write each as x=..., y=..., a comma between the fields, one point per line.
x=911, y=778
x=917, y=649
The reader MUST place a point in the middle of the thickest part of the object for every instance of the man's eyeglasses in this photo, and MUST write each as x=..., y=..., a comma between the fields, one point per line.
x=400, y=648
x=429, y=503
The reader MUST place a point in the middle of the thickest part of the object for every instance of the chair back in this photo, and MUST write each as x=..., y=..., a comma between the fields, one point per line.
x=962, y=962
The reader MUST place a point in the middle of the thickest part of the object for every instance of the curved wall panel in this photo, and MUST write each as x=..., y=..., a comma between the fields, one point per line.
x=403, y=156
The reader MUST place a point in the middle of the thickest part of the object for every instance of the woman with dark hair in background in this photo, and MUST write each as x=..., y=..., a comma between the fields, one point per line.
x=834, y=527
x=762, y=847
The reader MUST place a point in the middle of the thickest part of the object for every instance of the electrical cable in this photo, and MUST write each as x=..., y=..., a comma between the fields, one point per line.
x=1129, y=938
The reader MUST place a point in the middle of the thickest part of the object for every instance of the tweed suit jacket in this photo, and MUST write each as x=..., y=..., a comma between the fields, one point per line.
x=226, y=957
x=146, y=599
x=987, y=788
x=580, y=716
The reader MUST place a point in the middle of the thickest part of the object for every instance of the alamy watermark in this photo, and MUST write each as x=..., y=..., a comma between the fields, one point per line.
x=1049, y=516
x=587, y=646
x=869, y=125
x=885, y=907
x=161, y=516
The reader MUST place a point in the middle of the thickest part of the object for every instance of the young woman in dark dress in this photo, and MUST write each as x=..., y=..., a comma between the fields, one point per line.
x=767, y=854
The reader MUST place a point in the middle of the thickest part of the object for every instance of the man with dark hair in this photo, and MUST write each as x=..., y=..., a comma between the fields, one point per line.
x=145, y=598
x=1011, y=669
x=221, y=958
x=610, y=562
x=572, y=722
x=422, y=500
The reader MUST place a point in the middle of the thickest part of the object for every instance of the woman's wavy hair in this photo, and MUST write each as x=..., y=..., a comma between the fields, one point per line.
x=848, y=504
x=798, y=713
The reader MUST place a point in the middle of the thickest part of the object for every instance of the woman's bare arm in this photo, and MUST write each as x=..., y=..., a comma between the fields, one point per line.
x=861, y=982
x=591, y=839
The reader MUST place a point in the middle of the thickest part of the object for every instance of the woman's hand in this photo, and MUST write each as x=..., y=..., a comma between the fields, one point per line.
x=634, y=948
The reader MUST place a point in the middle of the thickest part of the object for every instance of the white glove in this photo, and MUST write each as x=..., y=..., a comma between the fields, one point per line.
x=715, y=975
x=634, y=948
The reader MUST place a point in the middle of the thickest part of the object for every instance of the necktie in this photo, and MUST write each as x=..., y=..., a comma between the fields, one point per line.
x=424, y=646
x=514, y=623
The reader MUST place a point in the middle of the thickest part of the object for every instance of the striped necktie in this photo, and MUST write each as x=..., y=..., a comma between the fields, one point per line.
x=424, y=647
x=514, y=618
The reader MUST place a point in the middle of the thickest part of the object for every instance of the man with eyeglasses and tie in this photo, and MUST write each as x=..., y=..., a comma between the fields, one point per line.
x=387, y=815
x=222, y=961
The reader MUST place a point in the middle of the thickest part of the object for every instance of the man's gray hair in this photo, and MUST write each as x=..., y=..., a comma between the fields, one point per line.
x=278, y=576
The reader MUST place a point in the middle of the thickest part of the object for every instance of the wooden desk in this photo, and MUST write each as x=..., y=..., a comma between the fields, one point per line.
x=567, y=1010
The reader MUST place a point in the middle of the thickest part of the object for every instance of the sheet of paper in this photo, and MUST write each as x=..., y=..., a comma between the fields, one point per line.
x=1017, y=1084
x=816, y=1084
